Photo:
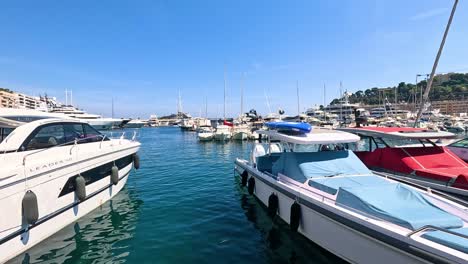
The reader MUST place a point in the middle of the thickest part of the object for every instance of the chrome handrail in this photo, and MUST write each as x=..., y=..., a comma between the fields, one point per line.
x=59, y=145
x=428, y=227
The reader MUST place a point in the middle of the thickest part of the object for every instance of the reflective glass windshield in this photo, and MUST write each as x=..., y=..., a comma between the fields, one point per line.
x=461, y=144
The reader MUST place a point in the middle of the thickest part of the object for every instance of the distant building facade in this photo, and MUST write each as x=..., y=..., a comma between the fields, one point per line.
x=7, y=99
x=449, y=107
x=28, y=102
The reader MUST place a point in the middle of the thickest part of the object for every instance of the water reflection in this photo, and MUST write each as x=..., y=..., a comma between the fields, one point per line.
x=282, y=245
x=103, y=234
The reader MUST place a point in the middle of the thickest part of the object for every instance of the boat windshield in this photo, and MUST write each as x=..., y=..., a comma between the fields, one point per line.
x=460, y=144
x=4, y=132
x=371, y=143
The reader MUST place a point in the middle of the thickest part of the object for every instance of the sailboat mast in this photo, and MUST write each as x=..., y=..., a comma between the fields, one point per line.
x=324, y=95
x=341, y=103
x=434, y=67
x=112, y=107
x=297, y=93
x=179, y=105
x=224, y=109
x=242, y=94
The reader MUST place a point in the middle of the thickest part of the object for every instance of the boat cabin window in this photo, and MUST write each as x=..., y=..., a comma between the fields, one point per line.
x=46, y=137
x=4, y=132
x=62, y=134
x=92, y=135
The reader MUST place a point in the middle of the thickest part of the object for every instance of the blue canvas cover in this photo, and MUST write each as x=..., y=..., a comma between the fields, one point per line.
x=332, y=184
x=449, y=240
x=304, y=165
x=294, y=126
x=396, y=203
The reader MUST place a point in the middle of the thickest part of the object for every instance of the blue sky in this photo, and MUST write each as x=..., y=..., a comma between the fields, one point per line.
x=142, y=52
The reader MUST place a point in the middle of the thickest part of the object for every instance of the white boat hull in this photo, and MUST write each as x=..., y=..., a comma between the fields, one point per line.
x=36, y=234
x=240, y=136
x=321, y=227
x=134, y=125
x=50, y=177
x=222, y=136
x=205, y=137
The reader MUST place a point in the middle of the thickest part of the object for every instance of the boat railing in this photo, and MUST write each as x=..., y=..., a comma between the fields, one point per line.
x=73, y=142
x=124, y=135
x=432, y=227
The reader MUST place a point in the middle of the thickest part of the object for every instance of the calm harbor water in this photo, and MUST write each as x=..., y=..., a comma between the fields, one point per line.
x=183, y=206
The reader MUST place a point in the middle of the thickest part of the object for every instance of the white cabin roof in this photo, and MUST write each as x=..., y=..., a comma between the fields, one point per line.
x=19, y=135
x=399, y=132
x=316, y=136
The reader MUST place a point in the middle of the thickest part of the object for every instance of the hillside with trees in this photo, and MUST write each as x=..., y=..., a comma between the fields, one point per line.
x=5, y=90
x=450, y=86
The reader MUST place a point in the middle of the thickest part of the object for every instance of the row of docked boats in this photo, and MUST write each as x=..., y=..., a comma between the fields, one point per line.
x=227, y=131
x=367, y=195
x=53, y=172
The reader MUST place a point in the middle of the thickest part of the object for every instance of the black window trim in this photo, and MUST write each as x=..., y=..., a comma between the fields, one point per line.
x=37, y=129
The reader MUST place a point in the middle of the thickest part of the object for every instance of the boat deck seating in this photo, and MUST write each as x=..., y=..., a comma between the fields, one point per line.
x=265, y=163
x=396, y=203
x=331, y=185
x=342, y=173
x=434, y=163
x=301, y=166
x=449, y=240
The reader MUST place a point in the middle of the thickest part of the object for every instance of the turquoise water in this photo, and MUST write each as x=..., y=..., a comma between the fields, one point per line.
x=184, y=205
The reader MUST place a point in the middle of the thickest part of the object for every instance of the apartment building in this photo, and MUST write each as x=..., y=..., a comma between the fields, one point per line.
x=7, y=99
x=26, y=101
x=449, y=107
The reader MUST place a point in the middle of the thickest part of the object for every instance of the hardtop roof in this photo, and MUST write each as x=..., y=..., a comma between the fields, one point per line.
x=399, y=132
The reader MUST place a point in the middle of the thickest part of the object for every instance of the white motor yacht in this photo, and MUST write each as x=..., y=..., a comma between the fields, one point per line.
x=223, y=133
x=240, y=132
x=54, y=171
x=135, y=123
x=205, y=133
x=96, y=121
x=324, y=192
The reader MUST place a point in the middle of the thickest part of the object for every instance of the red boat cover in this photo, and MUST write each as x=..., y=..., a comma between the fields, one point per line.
x=437, y=163
x=226, y=123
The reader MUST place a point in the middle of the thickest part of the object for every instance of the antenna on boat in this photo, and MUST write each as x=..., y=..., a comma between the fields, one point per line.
x=434, y=67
